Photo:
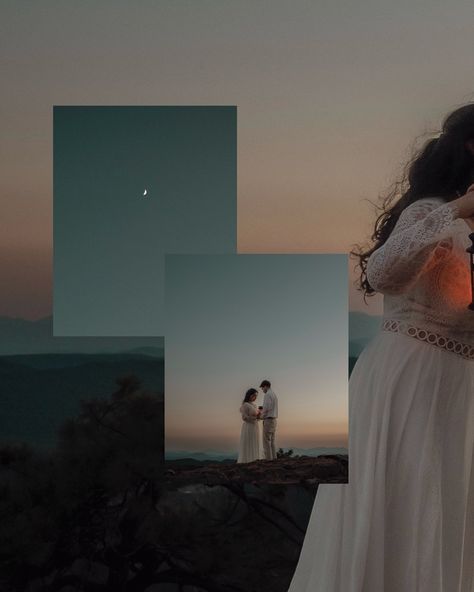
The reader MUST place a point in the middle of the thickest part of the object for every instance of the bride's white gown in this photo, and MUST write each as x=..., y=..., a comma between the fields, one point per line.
x=250, y=448
x=405, y=520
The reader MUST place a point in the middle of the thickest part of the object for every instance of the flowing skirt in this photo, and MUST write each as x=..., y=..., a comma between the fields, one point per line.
x=250, y=448
x=405, y=520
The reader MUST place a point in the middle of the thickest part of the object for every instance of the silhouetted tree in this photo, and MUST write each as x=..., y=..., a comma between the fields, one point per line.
x=81, y=502
x=282, y=454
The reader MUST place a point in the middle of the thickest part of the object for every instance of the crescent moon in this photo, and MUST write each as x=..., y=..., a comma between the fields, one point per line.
x=145, y=192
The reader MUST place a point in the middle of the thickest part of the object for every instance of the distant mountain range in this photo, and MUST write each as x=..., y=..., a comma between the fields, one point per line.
x=210, y=455
x=20, y=336
x=199, y=456
x=40, y=391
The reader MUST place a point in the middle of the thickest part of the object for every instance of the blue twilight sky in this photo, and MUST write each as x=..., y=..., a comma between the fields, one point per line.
x=233, y=320
x=110, y=238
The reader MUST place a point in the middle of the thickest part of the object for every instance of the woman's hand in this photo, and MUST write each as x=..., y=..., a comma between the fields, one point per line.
x=465, y=205
x=470, y=223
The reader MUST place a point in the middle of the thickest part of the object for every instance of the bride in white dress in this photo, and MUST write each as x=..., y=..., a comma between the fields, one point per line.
x=405, y=520
x=250, y=439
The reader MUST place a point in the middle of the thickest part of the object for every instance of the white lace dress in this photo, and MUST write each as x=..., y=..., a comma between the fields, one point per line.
x=405, y=520
x=250, y=447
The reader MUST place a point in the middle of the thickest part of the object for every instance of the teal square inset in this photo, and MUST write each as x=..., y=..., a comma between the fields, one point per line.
x=109, y=238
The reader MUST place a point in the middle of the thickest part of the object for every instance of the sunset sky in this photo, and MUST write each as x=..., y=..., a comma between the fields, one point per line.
x=330, y=97
x=234, y=320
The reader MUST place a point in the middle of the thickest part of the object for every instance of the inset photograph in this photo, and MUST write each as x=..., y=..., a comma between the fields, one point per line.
x=131, y=184
x=256, y=369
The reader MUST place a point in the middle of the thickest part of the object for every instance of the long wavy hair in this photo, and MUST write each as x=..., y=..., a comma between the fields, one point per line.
x=442, y=167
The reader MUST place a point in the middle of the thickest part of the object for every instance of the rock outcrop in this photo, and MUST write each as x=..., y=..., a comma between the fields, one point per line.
x=301, y=470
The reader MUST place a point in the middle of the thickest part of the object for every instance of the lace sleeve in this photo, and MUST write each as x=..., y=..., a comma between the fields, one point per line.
x=248, y=413
x=422, y=235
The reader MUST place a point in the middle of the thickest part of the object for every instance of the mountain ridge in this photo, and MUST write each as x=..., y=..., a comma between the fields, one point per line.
x=22, y=336
x=172, y=455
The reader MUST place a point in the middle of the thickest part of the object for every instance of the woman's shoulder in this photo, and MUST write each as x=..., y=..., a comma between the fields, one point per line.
x=428, y=200
x=423, y=206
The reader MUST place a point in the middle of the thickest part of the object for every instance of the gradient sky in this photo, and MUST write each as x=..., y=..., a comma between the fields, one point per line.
x=233, y=320
x=330, y=96
x=109, y=240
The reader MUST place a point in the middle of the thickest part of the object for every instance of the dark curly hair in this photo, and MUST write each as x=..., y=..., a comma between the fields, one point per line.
x=443, y=167
x=249, y=393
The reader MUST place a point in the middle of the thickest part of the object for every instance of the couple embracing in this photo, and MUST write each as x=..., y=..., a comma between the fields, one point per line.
x=250, y=441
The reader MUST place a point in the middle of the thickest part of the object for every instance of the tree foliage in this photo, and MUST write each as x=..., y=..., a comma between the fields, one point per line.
x=284, y=454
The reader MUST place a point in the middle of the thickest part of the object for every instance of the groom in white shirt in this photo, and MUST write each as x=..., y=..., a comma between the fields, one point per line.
x=269, y=415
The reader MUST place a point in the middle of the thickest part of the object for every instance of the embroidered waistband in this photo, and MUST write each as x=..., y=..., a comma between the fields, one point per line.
x=464, y=350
